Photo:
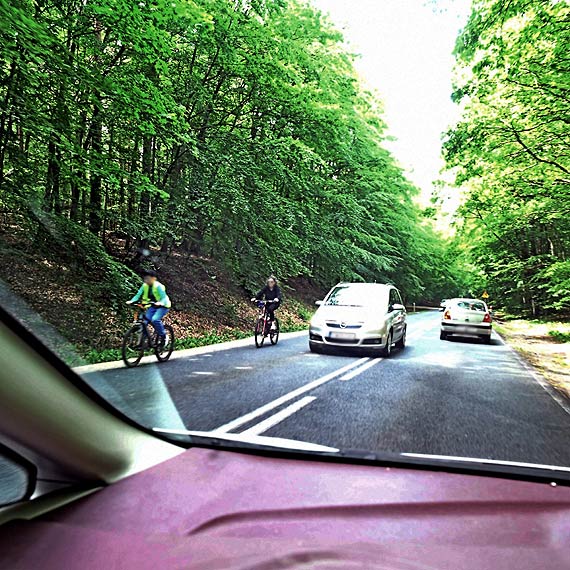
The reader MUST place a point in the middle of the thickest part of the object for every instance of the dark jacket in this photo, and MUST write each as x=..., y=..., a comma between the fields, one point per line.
x=270, y=295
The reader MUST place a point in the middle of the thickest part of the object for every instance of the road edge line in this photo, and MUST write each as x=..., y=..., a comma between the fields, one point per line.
x=539, y=379
x=183, y=353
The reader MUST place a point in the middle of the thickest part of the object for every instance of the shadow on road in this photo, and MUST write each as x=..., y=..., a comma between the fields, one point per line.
x=472, y=340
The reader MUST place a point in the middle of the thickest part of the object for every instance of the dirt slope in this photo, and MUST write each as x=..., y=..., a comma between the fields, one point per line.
x=80, y=290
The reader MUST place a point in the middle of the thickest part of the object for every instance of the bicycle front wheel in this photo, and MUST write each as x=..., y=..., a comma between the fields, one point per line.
x=274, y=333
x=132, y=349
x=163, y=352
x=259, y=336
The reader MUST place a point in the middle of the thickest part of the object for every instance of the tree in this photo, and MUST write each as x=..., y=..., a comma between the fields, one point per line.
x=511, y=150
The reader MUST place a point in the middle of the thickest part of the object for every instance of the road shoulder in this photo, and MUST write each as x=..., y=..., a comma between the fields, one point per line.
x=546, y=360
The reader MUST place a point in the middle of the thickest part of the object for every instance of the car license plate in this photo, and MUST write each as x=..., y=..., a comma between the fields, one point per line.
x=345, y=336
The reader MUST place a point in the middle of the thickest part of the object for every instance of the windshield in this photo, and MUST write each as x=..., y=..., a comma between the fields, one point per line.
x=181, y=182
x=357, y=296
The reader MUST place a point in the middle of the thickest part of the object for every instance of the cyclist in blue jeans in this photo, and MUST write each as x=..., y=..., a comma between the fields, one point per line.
x=153, y=293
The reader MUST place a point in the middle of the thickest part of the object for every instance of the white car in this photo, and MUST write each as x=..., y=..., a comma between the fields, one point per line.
x=466, y=317
x=368, y=316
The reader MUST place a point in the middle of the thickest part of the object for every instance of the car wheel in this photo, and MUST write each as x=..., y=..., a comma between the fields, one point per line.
x=442, y=335
x=486, y=339
x=387, y=350
x=402, y=342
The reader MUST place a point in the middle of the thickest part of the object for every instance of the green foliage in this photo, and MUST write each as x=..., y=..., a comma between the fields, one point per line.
x=304, y=313
x=96, y=356
x=560, y=336
x=510, y=152
x=208, y=338
x=236, y=129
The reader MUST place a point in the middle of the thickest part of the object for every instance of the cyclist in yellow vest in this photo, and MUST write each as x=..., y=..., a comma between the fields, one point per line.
x=153, y=294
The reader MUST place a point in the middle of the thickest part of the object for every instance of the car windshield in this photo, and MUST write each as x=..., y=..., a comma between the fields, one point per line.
x=182, y=182
x=357, y=296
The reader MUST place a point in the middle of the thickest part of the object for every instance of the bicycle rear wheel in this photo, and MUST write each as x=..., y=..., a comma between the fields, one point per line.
x=163, y=352
x=259, y=336
x=132, y=349
x=274, y=333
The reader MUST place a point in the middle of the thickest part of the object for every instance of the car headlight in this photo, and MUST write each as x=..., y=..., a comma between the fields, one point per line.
x=316, y=322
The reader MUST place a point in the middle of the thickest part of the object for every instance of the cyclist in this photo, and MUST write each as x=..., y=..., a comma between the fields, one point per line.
x=153, y=293
x=270, y=292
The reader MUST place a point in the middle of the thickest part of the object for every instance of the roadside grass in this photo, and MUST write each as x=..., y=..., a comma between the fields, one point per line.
x=545, y=345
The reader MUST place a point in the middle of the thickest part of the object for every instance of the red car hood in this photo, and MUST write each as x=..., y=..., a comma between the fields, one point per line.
x=216, y=509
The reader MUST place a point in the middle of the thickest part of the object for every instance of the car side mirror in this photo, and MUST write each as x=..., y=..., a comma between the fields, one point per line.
x=397, y=307
x=319, y=303
x=440, y=309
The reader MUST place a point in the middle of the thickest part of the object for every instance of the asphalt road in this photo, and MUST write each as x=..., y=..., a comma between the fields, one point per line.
x=458, y=397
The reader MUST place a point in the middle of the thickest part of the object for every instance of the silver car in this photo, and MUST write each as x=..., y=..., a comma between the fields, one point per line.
x=367, y=316
x=466, y=317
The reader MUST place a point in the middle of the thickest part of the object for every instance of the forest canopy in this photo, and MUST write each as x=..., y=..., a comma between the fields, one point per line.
x=511, y=151
x=236, y=130
x=239, y=131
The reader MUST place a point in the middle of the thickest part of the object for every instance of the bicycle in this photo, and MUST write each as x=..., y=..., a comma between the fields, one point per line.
x=263, y=326
x=137, y=340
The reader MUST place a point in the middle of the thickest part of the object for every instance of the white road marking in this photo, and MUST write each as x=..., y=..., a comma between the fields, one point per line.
x=278, y=417
x=352, y=370
x=490, y=461
x=253, y=439
x=200, y=373
x=185, y=353
x=361, y=369
x=243, y=367
x=234, y=424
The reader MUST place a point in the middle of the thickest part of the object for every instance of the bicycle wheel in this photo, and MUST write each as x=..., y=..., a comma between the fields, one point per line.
x=274, y=333
x=132, y=349
x=163, y=352
x=259, y=336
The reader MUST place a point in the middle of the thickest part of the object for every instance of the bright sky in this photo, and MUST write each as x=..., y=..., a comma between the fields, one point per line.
x=405, y=49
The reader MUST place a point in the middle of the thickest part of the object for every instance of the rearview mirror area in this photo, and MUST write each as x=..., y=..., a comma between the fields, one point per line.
x=319, y=303
x=398, y=307
x=17, y=478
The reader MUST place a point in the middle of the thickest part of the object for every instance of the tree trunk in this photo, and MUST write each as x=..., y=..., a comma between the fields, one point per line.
x=95, y=182
x=147, y=172
x=51, y=196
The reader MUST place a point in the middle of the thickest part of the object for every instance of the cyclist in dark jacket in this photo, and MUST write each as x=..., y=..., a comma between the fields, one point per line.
x=270, y=292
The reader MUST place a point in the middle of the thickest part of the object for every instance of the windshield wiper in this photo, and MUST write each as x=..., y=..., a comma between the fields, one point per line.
x=469, y=465
x=255, y=440
x=482, y=461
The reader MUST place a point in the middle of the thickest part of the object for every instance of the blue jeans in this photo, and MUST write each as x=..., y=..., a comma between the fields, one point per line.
x=154, y=315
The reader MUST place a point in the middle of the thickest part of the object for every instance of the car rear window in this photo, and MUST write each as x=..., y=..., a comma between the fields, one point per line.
x=471, y=306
